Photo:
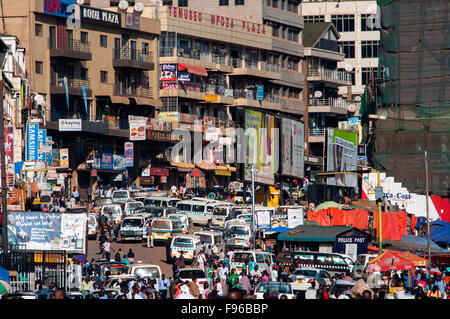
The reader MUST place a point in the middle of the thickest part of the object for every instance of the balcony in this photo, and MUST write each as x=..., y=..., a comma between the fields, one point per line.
x=224, y=96
x=136, y=59
x=208, y=60
x=70, y=49
x=188, y=90
x=256, y=68
x=246, y=97
x=86, y=124
x=316, y=135
x=294, y=106
x=121, y=89
x=74, y=86
x=329, y=105
x=334, y=77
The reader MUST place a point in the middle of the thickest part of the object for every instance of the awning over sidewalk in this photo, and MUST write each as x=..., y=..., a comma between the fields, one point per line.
x=182, y=165
x=192, y=69
x=206, y=166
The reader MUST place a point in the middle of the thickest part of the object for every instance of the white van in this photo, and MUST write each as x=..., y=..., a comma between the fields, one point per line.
x=184, y=220
x=220, y=213
x=200, y=212
x=147, y=271
x=161, y=201
x=114, y=210
x=133, y=228
x=188, y=244
x=92, y=226
x=121, y=196
x=163, y=228
x=238, y=234
x=359, y=269
x=129, y=206
x=240, y=258
x=212, y=238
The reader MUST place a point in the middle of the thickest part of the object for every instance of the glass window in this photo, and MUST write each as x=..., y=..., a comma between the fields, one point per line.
x=39, y=67
x=305, y=272
x=161, y=224
x=192, y=273
x=182, y=3
x=183, y=242
x=198, y=208
x=369, y=49
x=152, y=272
x=368, y=22
x=241, y=257
x=132, y=222
x=239, y=2
x=104, y=76
x=205, y=239
x=38, y=30
x=84, y=37
x=314, y=18
x=344, y=22
x=84, y=73
x=348, y=48
x=186, y=207
x=292, y=6
x=223, y=2
x=144, y=48
x=167, y=3
x=367, y=74
x=260, y=258
x=339, y=261
x=103, y=41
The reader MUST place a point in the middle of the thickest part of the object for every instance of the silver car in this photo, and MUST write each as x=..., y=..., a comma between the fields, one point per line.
x=302, y=278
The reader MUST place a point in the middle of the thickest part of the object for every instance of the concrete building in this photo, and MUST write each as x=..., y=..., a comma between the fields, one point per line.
x=355, y=21
x=98, y=72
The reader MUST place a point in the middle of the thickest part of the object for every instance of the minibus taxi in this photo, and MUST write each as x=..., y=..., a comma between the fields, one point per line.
x=240, y=258
x=188, y=244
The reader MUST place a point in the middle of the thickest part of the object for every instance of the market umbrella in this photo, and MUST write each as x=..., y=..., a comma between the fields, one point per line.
x=389, y=260
x=418, y=261
x=4, y=287
x=326, y=205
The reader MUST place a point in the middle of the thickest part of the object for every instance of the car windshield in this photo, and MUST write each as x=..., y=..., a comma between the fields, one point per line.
x=132, y=222
x=274, y=287
x=112, y=209
x=115, y=269
x=173, y=202
x=305, y=272
x=180, y=218
x=241, y=257
x=183, y=242
x=205, y=239
x=220, y=211
x=187, y=207
x=185, y=274
x=133, y=205
x=120, y=194
x=239, y=230
x=161, y=224
x=152, y=272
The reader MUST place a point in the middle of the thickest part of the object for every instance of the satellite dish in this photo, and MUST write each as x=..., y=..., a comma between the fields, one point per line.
x=39, y=99
x=348, y=67
x=139, y=7
x=317, y=94
x=80, y=2
x=357, y=98
x=123, y=5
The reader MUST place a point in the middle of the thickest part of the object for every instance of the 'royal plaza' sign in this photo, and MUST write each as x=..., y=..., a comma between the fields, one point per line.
x=226, y=22
x=100, y=16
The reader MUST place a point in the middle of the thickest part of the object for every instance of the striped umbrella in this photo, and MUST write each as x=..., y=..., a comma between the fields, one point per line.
x=4, y=287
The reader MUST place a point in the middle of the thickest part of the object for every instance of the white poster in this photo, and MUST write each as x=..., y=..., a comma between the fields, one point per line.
x=295, y=217
x=263, y=218
x=137, y=130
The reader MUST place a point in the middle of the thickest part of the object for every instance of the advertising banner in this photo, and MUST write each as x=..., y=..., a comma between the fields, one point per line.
x=137, y=130
x=169, y=116
x=169, y=72
x=129, y=154
x=67, y=125
x=260, y=146
x=47, y=231
x=64, y=157
x=32, y=142
x=58, y=8
x=42, y=141
x=263, y=218
x=342, y=157
x=292, y=148
x=9, y=152
x=295, y=217
x=109, y=162
x=119, y=162
x=100, y=16
x=186, y=77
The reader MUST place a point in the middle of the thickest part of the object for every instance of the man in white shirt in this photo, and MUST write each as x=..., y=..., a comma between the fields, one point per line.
x=274, y=273
x=311, y=292
x=173, y=189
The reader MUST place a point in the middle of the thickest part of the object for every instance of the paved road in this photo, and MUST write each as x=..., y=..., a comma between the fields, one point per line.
x=155, y=255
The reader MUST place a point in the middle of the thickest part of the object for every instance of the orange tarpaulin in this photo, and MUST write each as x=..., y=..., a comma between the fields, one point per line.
x=394, y=225
x=389, y=260
x=334, y=216
x=418, y=261
x=320, y=217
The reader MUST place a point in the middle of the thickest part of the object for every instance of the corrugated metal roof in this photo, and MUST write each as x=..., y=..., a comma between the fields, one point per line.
x=313, y=233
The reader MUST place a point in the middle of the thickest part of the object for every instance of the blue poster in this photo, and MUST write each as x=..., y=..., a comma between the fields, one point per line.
x=32, y=146
x=49, y=155
x=42, y=140
x=119, y=162
x=260, y=92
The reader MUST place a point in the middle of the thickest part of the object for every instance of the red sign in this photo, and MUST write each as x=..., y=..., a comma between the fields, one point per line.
x=226, y=22
x=94, y=172
x=159, y=172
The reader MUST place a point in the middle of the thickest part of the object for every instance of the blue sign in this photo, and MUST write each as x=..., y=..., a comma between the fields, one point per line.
x=42, y=140
x=58, y=8
x=109, y=162
x=260, y=93
x=32, y=146
x=49, y=155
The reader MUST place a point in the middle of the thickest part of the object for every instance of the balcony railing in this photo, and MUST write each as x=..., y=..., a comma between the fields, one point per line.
x=219, y=90
x=72, y=82
x=71, y=44
x=55, y=116
x=216, y=58
x=331, y=74
x=134, y=55
x=331, y=101
x=272, y=98
x=245, y=94
x=187, y=86
x=317, y=131
x=123, y=89
x=257, y=65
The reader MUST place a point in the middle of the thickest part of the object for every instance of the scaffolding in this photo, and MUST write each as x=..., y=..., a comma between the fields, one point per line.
x=414, y=93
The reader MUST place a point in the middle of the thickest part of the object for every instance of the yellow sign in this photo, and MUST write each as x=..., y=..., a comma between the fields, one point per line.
x=169, y=116
x=211, y=98
x=223, y=172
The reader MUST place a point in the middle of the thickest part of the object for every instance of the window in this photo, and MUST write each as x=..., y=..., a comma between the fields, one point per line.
x=368, y=22
x=314, y=18
x=38, y=30
x=223, y=2
x=84, y=37
x=292, y=64
x=144, y=48
x=292, y=6
x=344, y=22
x=348, y=48
x=167, y=2
x=367, y=74
x=103, y=41
x=84, y=73
x=292, y=34
x=275, y=30
x=182, y=3
x=275, y=4
x=369, y=49
x=239, y=2
x=39, y=67
x=104, y=76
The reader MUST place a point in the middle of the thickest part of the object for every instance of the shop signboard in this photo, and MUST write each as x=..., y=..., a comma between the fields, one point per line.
x=342, y=157
x=263, y=219
x=184, y=77
x=211, y=98
x=64, y=158
x=292, y=144
x=159, y=172
x=129, y=154
x=119, y=162
x=159, y=135
x=58, y=8
x=99, y=16
x=32, y=142
x=221, y=172
x=47, y=231
x=169, y=72
x=69, y=125
x=137, y=130
x=260, y=92
x=169, y=116
x=133, y=20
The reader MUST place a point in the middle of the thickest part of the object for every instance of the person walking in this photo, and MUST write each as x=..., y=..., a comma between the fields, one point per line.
x=149, y=235
x=311, y=292
x=107, y=249
x=194, y=290
x=163, y=285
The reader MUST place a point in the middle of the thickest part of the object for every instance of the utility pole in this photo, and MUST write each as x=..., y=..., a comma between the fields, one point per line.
x=425, y=146
x=3, y=171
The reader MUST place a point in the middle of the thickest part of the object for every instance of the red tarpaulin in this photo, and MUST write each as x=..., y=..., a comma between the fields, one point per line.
x=389, y=260
x=394, y=224
x=334, y=216
x=320, y=217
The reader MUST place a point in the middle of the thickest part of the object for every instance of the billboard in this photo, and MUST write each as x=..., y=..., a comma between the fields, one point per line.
x=292, y=148
x=342, y=157
x=68, y=125
x=47, y=231
x=32, y=142
x=260, y=146
x=58, y=8
x=109, y=162
x=137, y=130
x=129, y=154
x=169, y=72
x=64, y=157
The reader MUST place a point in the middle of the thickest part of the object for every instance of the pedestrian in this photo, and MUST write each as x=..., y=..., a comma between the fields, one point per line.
x=366, y=294
x=245, y=282
x=311, y=292
x=218, y=287
x=59, y=293
x=107, y=249
x=223, y=274
x=125, y=260
x=434, y=293
x=440, y=283
x=149, y=235
x=184, y=293
x=163, y=285
x=193, y=288
x=206, y=290
x=274, y=273
x=322, y=292
x=130, y=256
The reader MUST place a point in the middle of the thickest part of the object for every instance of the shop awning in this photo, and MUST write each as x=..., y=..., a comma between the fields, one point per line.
x=192, y=69
x=231, y=168
x=389, y=260
x=206, y=166
x=222, y=168
x=182, y=165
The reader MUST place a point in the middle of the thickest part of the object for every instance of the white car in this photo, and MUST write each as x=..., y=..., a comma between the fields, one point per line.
x=274, y=288
x=302, y=278
x=341, y=287
x=187, y=274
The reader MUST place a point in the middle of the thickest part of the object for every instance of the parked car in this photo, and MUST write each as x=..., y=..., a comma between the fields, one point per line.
x=302, y=278
x=274, y=288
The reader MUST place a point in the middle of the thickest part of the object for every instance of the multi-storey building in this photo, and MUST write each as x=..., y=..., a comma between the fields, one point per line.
x=357, y=23
x=97, y=71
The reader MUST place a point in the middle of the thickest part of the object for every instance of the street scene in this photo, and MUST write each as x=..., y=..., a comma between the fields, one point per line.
x=232, y=149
